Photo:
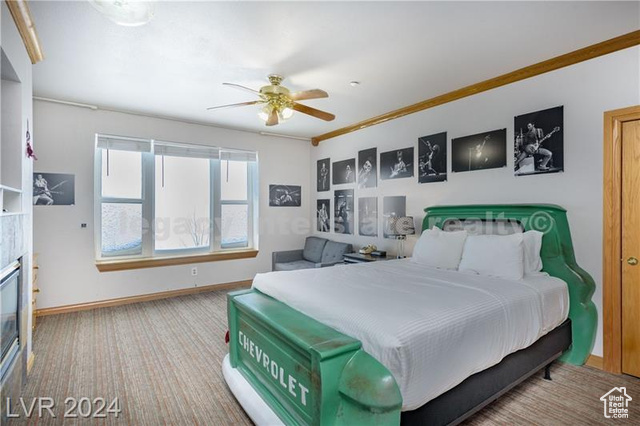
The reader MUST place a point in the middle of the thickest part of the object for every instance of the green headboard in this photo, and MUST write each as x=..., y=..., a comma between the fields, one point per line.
x=557, y=254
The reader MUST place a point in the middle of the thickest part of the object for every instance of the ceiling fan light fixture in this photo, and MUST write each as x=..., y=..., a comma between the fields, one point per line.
x=265, y=112
x=286, y=113
x=280, y=104
x=128, y=13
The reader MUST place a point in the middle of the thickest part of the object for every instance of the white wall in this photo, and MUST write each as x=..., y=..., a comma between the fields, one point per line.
x=65, y=144
x=586, y=90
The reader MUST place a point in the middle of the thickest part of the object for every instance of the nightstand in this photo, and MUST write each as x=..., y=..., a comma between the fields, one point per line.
x=363, y=258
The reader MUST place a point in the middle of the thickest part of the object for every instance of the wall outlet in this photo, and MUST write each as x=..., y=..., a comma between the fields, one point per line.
x=194, y=271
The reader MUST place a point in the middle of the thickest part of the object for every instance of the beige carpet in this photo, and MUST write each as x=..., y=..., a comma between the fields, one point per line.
x=162, y=360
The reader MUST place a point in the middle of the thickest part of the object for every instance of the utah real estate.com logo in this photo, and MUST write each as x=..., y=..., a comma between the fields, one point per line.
x=616, y=403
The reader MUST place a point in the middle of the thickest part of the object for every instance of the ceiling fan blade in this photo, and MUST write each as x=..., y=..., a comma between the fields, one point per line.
x=238, y=86
x=313, y=112
x=308, y=94
x=273, y=118
x=236, y=105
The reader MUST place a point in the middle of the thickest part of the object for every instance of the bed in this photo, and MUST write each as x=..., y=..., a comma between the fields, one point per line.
x=326, y=347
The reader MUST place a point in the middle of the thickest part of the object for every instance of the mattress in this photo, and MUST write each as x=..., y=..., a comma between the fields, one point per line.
x=431, y=328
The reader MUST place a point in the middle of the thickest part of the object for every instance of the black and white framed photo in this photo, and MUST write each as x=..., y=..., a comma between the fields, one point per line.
x=432, y=158
x=344, y=171
x=285, y=196
x=481, y=151
x=323, y=215
x=539, y=142
x=368, y=216
x=394, y=206
x=53, y=189
x=343, y=211
x=396, y=164
x=324, y=175
x=368, y=168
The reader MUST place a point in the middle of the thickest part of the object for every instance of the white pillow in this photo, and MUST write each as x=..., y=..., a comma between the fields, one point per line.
x=499, y=256
x=532, y=246
x=439, y=249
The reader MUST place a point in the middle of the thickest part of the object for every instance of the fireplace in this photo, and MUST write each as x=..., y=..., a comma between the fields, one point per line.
x=9, y=316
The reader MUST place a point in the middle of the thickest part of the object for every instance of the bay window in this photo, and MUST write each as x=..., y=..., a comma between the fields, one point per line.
x=158, y=199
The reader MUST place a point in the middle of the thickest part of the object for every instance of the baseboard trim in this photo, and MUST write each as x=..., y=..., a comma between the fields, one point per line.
x=30, y=360
x=595, y=361
x=142, y=298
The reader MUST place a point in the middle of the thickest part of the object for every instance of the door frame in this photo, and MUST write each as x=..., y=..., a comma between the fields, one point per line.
x=612, y=236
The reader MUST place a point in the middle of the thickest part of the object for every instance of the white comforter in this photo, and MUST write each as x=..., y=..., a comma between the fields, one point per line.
x=431, y=328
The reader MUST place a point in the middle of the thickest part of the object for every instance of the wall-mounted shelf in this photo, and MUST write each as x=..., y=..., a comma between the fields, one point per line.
x=10, y=200
x=11, y=139
x=10, y=189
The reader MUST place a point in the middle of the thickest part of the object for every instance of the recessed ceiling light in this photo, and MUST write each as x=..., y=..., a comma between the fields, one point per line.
x=354, y=83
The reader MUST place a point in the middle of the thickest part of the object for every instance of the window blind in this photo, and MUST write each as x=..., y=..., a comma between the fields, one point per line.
x=122, y=143
x=180, y=150
x=238, y=155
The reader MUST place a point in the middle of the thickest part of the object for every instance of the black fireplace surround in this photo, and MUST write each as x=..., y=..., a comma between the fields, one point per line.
x=9, y=316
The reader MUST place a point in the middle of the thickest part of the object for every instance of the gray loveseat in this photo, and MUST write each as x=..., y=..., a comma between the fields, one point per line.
x=317, y=253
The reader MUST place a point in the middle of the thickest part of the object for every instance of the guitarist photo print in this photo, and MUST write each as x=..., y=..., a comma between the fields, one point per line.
x=53, y=189
x=539, y=142
x=396, y=164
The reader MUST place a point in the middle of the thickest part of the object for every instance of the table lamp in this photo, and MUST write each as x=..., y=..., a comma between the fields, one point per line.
x=400, y=227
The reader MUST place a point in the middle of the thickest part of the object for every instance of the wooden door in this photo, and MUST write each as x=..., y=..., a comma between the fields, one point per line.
x=631, y=248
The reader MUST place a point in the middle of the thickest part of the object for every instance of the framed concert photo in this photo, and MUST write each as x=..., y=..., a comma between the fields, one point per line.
x=324, y=175
x=343, y=211
x=481, y=151
x=432, y=158
x=368, y=216
x=323, y=215
x=344, y=171
x=368, y=168
x=285, y=196
x=539, y=142
x=396, y=164
x=53, y=189
x=392, y=207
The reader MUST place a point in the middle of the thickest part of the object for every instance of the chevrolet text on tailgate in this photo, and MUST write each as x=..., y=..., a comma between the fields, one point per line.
x=307, y=372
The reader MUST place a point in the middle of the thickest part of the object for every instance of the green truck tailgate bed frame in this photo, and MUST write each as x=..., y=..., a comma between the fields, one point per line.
x=309, y=373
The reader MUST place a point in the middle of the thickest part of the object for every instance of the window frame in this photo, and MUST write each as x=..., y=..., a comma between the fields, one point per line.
x=147, y=202
x=246, y=202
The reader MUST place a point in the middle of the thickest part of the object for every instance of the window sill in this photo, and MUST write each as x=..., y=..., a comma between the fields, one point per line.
x=123, y=265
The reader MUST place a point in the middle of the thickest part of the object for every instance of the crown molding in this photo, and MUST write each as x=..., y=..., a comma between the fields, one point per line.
x=595, y=50
x=26, y=27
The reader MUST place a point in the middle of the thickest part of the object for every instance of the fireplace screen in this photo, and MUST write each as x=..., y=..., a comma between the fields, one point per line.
x=9, y=316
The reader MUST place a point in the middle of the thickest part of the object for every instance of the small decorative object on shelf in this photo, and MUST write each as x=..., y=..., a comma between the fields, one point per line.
x=400, y=227
x=368, y=249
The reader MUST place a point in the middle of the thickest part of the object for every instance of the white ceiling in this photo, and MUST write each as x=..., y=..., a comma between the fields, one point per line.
x=401, y=52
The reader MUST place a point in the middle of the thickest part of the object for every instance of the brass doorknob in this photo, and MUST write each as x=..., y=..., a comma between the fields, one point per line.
x=632, y=261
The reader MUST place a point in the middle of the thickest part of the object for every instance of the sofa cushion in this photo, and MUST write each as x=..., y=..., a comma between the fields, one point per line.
x=313, y=249
x=333, y=251
x=292, y=266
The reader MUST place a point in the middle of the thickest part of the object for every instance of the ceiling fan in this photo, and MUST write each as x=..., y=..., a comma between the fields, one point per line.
x=279, y=102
